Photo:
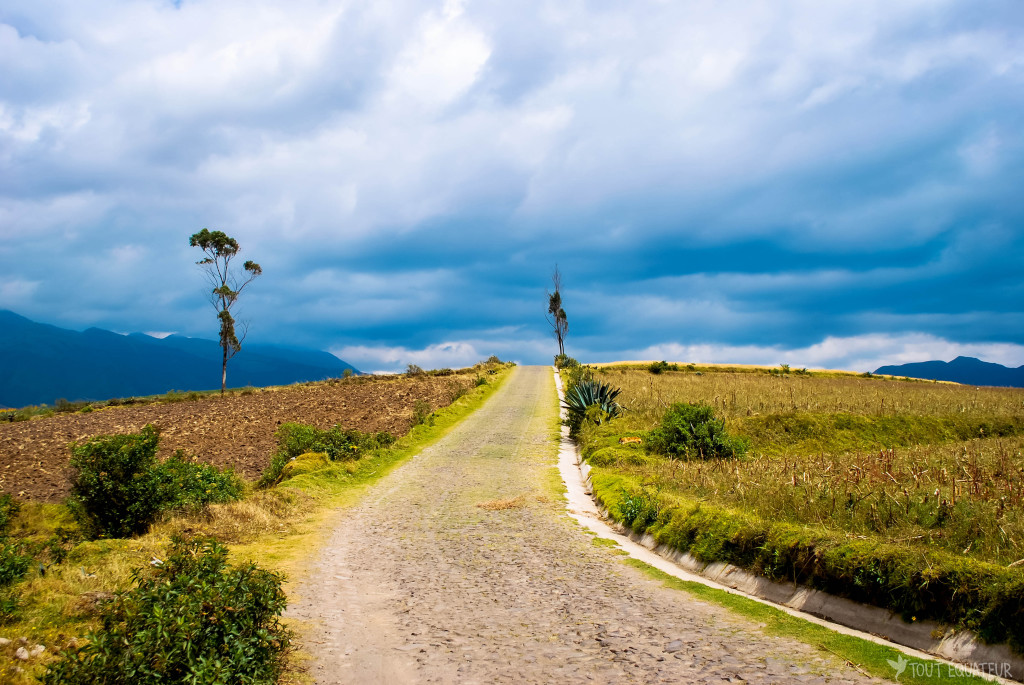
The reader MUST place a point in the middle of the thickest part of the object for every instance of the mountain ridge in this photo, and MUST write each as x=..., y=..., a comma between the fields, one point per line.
x=46, y=362
x=966, y=370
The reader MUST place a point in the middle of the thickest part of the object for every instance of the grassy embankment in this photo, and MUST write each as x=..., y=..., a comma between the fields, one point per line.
x=277, y=527
x=907, y=495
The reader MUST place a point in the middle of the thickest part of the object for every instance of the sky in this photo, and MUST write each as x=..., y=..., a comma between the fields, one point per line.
x=825, y=184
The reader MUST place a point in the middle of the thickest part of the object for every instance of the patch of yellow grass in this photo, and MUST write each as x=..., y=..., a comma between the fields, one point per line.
x=500, y=504
x=712, y=365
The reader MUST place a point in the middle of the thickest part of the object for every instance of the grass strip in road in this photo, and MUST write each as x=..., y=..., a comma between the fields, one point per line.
x=865, y=656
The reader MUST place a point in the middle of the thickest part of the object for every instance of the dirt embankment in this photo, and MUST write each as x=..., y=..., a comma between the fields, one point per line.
x=237, y=430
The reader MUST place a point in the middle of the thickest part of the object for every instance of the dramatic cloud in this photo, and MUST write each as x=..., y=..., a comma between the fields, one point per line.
x=741, y=179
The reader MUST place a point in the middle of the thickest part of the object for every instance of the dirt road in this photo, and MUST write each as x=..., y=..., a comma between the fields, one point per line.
x=419, y=583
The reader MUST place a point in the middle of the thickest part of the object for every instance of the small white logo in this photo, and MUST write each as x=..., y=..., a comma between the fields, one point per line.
x=900, y=665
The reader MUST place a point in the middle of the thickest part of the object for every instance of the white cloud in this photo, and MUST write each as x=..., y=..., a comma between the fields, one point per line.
x=441, y=64
x=392, y=359
x=16, y=292
x=854, y=353
x=311, y=128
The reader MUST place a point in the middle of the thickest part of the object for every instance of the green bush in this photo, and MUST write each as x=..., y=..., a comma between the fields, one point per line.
x=662, y=366
x=192, y=619
x=564, y=361
x=14, y=563
x=116, y=492
x=422, y=413
x=191, y=485
x=121, y=487
x=337, y=443
x=691, y=430
x=9, y=508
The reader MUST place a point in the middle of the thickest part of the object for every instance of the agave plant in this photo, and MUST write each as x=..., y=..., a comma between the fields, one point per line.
x=592, y=399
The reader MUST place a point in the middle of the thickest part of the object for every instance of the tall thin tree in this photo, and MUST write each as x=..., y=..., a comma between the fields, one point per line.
x=226, y=286
x=556, y=314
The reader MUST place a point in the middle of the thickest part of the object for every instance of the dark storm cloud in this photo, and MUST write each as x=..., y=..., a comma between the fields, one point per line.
x=831, y=182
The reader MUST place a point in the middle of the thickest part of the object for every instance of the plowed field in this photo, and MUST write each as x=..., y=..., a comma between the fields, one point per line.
x=236, y=430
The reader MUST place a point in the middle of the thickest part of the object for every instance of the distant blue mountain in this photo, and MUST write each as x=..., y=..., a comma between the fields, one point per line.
x=967, y=370
x=41, y=363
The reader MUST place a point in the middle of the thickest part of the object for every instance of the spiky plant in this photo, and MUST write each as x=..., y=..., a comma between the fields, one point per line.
x=594, y=400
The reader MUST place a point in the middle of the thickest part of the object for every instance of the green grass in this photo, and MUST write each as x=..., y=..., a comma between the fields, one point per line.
x=868, y=657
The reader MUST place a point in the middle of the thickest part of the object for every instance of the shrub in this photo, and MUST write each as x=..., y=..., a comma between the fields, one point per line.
x=121, y=488
x=414, y=370
x=188, y=484
x=62, y=406
x=659, y=367
x=691, y=430
x=480, y=380
x=192, y=619
x=564, y=361
x=294, y=439
x=14, y=563
x=422, y=413
x=9, y=508
x=493, y=359
x=116, y=492
x=337, y=443
x=574, y=375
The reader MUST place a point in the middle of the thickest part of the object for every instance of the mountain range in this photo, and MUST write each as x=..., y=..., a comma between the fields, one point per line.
x=43, y=363
x=966, y=370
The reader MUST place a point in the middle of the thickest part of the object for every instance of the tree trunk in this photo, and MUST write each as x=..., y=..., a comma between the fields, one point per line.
x=224, y=369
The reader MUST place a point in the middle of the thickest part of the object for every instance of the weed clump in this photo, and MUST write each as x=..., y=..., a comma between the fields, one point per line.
x=121, y=487
x=9, y=508
x=564, y=361
x=660, y=367
x=14, y=563
x=422, y=413
x=190, y=619
x=690, y=431
x=335, y=443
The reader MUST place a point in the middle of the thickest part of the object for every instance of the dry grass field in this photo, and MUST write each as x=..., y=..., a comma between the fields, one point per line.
x=928, y=464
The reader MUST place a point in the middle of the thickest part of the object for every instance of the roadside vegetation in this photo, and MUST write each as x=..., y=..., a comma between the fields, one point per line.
x=906, y=495
x=131, y=578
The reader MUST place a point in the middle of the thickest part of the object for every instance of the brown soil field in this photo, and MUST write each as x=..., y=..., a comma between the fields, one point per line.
x=233, y=431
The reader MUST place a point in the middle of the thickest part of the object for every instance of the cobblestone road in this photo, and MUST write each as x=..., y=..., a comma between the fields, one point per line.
x=420, y=584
